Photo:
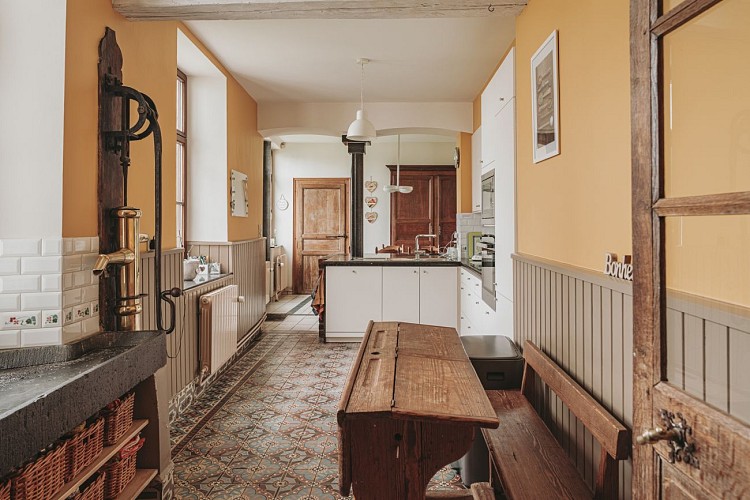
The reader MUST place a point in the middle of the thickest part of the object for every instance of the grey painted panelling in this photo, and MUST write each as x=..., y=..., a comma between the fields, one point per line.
x=584, y=322
x=246, y=260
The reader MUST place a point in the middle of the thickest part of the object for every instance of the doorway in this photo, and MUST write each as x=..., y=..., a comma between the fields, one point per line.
x=691, y=237
x=321, y=226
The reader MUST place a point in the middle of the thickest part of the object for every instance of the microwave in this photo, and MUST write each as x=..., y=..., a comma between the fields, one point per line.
x=488, y=198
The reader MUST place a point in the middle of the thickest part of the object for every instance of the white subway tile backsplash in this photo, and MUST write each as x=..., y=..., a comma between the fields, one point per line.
x=41, y=265
x=88, y=261
x=52, y=318
x=95, y=244
x=71, y=333
x=10, y=265
x=71, y=263
x=52, y=282
x=52, y=246
x=19, y=320
x=81, y=312
x=68, y=316
x=41, y=336
x=20, y=248
x=90, y=326
x=82, y=245
x=95, y=308
x=90, y=293
x=72, y=297
x=10, y=301
x=10, y=338
x=76, y=279
x=19, y=284
x=36, y=301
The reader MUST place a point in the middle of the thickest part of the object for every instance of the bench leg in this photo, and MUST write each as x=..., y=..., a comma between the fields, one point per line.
x=608, y=478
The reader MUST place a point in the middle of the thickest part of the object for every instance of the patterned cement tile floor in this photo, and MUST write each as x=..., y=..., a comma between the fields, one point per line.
x=267, y=428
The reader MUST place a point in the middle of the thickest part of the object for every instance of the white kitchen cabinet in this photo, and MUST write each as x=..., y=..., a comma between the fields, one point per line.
x=401, y=294
x=476, y=171
x=505, y=201
x=354, y=296
x=499, y=92
x=438, y=296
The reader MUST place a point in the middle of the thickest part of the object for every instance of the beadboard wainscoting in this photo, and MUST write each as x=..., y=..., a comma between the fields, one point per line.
x=583, y=321
x=246, y=260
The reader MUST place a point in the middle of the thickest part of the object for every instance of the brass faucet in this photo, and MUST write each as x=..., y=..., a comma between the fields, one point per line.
x=417, y=251
x=128, y=305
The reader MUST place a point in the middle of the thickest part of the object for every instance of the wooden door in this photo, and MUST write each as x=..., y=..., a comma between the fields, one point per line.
x=691, y=239
x=321, y=226
x=429, y=209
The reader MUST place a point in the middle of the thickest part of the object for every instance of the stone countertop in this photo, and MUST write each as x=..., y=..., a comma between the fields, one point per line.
x=384, y=259
x=190, y=284
x=45, y=392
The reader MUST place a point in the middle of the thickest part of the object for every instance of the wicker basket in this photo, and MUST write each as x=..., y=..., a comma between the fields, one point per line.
x=94, y=490
x=84, y=447
x=121, y=469
x=118, y=417
x=5, y=491
x=41, y=478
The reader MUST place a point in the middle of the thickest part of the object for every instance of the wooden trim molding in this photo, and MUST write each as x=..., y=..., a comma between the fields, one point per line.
x=711, y=204
x=600, y=279
x=680, y=15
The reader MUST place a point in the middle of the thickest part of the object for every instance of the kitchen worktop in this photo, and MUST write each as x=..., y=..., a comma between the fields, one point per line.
x=47, y=391
x=384, y=259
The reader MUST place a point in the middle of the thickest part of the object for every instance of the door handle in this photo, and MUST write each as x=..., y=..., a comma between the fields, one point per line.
x=677, y=433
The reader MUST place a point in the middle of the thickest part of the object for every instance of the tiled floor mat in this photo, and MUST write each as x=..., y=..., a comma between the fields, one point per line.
x=267, y=428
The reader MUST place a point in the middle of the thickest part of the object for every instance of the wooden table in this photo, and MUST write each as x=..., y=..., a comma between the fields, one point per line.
x=411, y=405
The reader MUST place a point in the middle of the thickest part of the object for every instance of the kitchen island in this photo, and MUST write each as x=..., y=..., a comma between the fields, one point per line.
x=385, y=287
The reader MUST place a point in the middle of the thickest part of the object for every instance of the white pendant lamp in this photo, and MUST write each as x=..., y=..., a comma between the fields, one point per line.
x=361, y=129
x=398, y=188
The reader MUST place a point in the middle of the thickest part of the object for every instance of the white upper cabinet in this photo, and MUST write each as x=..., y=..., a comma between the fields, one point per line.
x=476, y=171
x=498, y=93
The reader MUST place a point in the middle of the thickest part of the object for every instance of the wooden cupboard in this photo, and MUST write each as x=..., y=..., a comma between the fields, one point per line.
x=429, y=209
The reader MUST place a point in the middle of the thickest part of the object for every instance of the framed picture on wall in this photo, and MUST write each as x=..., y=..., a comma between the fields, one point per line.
x=545, y=117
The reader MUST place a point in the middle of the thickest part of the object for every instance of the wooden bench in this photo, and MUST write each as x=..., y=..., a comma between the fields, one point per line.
x=527, y=458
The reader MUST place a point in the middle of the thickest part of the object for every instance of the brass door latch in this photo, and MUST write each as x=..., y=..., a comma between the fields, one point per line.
x=676, y=433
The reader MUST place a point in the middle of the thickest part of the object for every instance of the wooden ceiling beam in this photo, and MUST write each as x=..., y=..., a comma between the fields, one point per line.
x=187, y=10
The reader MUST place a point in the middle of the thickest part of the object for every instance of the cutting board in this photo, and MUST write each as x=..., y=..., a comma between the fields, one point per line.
x=471, y=242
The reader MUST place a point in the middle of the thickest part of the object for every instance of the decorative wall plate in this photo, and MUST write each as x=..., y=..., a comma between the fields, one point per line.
x=371, y=185
x=371, y=201
x=371, y=217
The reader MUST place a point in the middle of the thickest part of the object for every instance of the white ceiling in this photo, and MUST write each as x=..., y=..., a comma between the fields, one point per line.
x=313, y=60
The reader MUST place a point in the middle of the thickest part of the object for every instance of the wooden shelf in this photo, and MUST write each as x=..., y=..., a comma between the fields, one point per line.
x=107, y=452
x=134, y=488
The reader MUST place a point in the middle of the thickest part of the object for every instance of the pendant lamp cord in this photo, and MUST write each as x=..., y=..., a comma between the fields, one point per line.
x=362, y=87
x=398, y=162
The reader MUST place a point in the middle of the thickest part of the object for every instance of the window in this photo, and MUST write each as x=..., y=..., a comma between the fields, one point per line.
x=181, y=158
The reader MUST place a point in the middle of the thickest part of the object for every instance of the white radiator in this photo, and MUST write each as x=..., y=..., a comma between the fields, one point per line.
x=218, y=328
x=282, y=277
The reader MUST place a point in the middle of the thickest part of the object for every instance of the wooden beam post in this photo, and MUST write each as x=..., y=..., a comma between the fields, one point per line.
x=140, y=10
x=357, y=150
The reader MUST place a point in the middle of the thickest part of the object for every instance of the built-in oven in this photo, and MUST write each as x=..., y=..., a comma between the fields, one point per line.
x=488, y=198
x=488, y=270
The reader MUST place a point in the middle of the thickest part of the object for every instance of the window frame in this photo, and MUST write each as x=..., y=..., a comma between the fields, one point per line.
x=182, y=139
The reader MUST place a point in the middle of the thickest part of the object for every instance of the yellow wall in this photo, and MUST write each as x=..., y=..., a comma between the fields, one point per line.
x=150, y=65
x=463, y=176
x=707, y=150
x=245, y=154
x=574, y=207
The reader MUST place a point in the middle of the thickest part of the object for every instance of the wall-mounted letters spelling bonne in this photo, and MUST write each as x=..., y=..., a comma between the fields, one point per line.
x=622, y=270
